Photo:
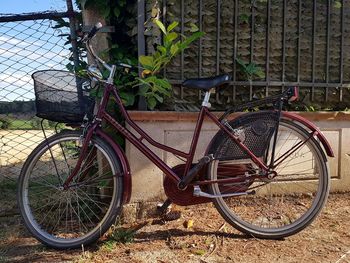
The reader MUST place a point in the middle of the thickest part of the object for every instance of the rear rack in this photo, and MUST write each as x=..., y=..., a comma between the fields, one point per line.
x=290, y=94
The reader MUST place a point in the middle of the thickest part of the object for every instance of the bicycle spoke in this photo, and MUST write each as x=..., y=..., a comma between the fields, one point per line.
x=87, y=197
x=58, y=218
x=90, y=199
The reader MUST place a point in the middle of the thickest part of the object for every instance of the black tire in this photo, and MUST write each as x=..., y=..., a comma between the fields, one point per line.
x=81, y=214
x=278, y=207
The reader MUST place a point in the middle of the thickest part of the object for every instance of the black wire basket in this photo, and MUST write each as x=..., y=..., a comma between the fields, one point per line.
x=62, y=96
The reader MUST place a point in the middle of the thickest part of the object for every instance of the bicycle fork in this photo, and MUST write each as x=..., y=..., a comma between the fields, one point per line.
x=82, y=154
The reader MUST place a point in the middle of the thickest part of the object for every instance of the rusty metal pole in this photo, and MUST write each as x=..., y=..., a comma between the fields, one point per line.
x=73, y=35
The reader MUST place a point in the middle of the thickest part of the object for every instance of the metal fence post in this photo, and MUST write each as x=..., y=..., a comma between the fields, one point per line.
x=73, y=36
x=142, y=105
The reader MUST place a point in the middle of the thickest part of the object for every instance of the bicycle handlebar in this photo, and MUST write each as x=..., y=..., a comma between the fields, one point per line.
x=94, y=30
x=100, y=61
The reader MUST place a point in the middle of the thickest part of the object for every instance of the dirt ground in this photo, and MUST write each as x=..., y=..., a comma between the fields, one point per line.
x=210, y=239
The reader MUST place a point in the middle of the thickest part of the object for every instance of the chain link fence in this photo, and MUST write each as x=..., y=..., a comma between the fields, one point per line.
x=28, y=43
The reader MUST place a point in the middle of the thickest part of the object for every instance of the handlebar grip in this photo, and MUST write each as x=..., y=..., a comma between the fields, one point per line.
x=94, y=30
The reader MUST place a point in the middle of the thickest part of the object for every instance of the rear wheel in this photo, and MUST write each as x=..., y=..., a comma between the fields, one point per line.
x=68, y=218
x=284, y=204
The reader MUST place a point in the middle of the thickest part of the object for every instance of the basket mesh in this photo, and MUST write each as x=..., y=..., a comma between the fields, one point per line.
x=61, y=96
x=254, y=129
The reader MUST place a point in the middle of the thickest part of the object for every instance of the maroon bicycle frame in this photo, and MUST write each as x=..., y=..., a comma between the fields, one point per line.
x=102, y=114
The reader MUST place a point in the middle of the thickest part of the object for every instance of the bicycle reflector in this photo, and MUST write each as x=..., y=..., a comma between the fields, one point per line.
x=293, y=94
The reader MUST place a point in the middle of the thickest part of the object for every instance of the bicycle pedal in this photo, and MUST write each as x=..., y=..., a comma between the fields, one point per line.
x=163, y=208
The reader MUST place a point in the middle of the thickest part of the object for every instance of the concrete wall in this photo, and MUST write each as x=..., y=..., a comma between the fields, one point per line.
x=176, y=130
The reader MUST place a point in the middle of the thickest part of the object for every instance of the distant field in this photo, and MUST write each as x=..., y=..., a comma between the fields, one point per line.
x=21, y=125
x=25, y=123
x=15, y=146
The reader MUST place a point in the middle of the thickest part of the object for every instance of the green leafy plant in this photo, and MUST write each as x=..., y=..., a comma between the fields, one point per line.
x=123, y=46
x=63, y=25
x=250, y=70
x=155, y=88
x=123, y=49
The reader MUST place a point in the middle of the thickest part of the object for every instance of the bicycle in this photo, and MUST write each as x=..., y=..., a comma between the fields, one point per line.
x=266, y=172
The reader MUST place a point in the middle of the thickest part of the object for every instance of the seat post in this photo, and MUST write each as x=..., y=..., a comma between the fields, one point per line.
x=206, y=102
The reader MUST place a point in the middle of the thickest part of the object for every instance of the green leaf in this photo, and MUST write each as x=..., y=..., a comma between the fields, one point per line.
x=142, y=90
x=260, y=73
x=128, y=98
x=116, y=12
x=159, y=98
x=160, y=25
x=174, y=49
x=194, y=28
x=121, y=3
x=251, y=69
x=96, y=92
x=70, y=67
x=162, y=49
x=190, y=39
x=151, y=102
x=172, y=26
x=241, y=63
x=146, y=61
x=244, y=18
x=170, y=37
x=337, y=4
x=163, y=83
x=105, y=11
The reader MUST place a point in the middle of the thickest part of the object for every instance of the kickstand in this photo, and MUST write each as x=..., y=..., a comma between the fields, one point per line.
x=162, y=208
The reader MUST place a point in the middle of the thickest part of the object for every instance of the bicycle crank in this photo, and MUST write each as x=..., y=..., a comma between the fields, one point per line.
x=199, y=193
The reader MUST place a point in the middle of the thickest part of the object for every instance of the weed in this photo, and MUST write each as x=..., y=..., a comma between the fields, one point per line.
x=109, y=245
x=121, y=235
x=86, y=256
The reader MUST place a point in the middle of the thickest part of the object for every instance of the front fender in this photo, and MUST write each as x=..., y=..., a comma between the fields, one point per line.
x=312, y=127
x=127, y=182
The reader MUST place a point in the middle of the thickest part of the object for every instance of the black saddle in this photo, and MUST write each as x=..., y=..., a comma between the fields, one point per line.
x=207, y=83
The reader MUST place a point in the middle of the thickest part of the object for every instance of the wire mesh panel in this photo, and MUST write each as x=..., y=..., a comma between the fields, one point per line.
x=25, y=47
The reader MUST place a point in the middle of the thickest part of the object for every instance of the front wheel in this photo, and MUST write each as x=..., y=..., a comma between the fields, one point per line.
x=280, y=206
x=69, y=218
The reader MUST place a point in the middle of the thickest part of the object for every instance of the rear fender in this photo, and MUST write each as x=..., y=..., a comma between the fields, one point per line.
x=312, y=127
x=127, y=182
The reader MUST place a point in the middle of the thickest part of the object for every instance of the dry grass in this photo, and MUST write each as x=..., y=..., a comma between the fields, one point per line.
x=210, y=239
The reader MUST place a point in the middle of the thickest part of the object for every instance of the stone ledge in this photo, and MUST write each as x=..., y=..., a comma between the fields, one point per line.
x=192, y=116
